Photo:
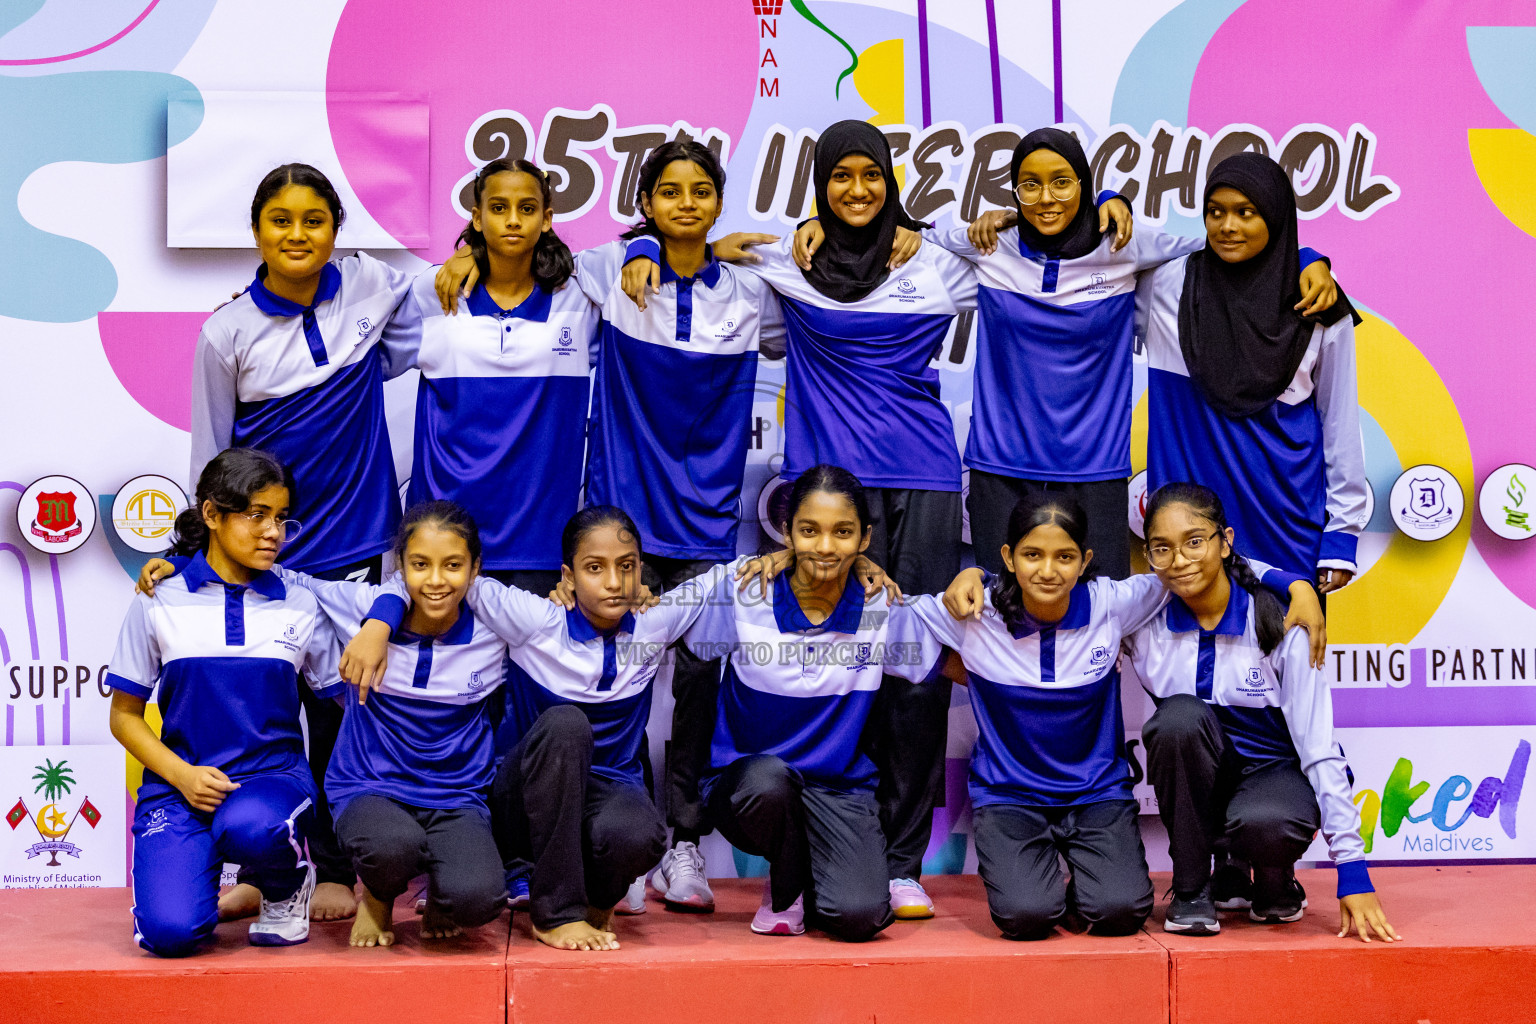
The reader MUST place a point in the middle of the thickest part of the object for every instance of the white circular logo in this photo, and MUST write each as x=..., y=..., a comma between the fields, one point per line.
x=1138, y=504
x=144, y=512
x=770, y=506
x=56, y=514
x=1427, y=502
x=1507, y=502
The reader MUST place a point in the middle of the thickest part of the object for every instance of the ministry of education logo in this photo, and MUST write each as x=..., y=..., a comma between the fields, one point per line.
x=52, y=822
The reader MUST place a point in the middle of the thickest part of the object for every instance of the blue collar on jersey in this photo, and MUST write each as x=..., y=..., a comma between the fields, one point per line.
x=1234, y=621
x=535, y=307
x=199, y=573
x=581, y=629
x=709, y=273
x=276, y=305
x=1079, y=612
x=845, y=618
x=461, y=632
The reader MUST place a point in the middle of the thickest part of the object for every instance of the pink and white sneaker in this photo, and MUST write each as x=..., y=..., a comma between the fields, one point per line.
x=909, y=901
x=768, y=921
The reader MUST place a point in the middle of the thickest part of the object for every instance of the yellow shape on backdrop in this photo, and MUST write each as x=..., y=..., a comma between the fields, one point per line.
x=881, y=79
x=136, y=770
x=1505, y=160
x=1402, y=391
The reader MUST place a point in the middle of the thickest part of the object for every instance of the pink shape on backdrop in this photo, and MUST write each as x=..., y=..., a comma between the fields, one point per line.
x=387, y=140
x=1441, y=262
x=651, y=61
x=151, y=353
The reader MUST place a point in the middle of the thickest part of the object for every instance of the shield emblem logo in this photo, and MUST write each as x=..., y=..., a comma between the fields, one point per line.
x=1255, y=676
x=1428, y=497
x=565, y=335
x=56, y=510
x=905, y=286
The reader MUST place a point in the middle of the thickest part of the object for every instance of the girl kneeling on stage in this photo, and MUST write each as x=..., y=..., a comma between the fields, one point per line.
x=1241, y=746
x=227, y=779
x=1049, y=775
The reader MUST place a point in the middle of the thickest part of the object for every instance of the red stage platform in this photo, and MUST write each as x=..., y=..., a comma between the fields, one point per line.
x=1469, y=955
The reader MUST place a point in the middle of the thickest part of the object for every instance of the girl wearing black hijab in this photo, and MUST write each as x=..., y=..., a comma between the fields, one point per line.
x=1247, y=396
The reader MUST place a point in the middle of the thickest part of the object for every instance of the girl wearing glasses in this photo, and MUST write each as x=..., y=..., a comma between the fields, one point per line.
x=226, y=646
x=296, y=366
x=1038, y=649
x=1238, y=378
x=1240, y=751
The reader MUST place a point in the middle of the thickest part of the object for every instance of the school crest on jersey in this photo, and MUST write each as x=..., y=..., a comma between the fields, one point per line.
x=1255, y=677
x=476, y=681
x=1099, y=655
x=363, y=327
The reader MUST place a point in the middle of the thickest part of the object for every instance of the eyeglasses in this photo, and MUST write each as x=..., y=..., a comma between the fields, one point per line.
x=261, y=522
x=1060, y=189
x=1161, y=555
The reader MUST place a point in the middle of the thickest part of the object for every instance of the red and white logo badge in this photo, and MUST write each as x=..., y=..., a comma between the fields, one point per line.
x=56, y=514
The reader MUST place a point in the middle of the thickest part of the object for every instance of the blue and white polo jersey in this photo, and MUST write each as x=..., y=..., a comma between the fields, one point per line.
x=861, y=392
x=1291, y=477
x=802, y=692
x=1052, y=391
x=1047, y=695
x=224, y=659
x=306, y=384
x=1273, y=707
x=559, y=657
x=501, y=413
x=423, y=739
x=672, y=396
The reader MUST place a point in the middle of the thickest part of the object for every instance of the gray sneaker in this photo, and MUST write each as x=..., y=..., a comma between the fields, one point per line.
x=679, y=878
x=1192, y=914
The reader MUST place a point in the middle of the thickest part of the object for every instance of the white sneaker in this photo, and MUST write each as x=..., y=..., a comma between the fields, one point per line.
x=909, y=901
x=633, y=902
x=679, y=878
x=285, y=922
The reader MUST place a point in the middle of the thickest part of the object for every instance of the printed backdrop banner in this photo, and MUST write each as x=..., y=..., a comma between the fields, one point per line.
x=1404, y=123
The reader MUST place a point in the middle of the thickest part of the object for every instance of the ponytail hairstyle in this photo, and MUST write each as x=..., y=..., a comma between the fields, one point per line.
x=280, y=178
x=553, y=263
x=591, y=518
x=830, y=480
x=1268, y=610
x=682, y=148
x=1036, y=508
x=445, y=515
x=229, y=480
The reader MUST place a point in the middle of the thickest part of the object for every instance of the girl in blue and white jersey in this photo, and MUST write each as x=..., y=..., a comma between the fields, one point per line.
x=1049, y=774
x=788, y=778
x=1241, y=750
x=226, y=646
x=1247, y=396
x=296, y=366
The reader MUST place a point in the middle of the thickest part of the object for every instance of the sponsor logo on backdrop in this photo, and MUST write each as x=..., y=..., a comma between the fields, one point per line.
x=1505, y=501
x=56, y=514
x=1427, y=502
x=52, y=822
x=144, y=512
x=1138, y=502
x=1386, y=811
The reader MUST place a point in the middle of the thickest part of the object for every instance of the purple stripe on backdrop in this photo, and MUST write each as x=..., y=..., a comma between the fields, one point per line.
x=58, y=603
x=922, y=59
x=1417, y=704
x=26, y=585
x=42, y=736
x=66, y=714
x=10, y=725
x=1056, y=54
x=997, y=69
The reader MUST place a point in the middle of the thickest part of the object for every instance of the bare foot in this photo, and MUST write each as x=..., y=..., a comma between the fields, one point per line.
x=332, y=901
x=437, y=925
x=602, y=920
x=373, y=923
x=244, y=900
x=577, y=935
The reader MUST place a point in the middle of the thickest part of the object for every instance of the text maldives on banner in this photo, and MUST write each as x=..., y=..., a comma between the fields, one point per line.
x=63, y=817
x=1440, y=794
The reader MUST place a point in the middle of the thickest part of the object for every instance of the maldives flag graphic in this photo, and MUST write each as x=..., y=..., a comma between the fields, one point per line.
x=89, y=812
x=18, y=814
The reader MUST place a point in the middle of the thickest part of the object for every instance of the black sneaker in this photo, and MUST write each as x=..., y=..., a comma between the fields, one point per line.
x=1277, y=897
x=1192, y=914
x=1231, y=884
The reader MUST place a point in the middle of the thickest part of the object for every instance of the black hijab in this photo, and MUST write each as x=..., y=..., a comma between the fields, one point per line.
x=1241, y=336
x=851, y=261
x=1081, y=236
